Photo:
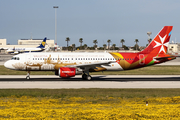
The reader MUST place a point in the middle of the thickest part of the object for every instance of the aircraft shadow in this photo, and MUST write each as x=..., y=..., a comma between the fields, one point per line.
x=97, y=78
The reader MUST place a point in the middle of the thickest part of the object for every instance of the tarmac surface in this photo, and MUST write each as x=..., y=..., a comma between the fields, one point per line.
x=98, y=81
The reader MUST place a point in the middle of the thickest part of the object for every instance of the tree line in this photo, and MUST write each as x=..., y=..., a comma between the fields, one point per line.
x=105, y=46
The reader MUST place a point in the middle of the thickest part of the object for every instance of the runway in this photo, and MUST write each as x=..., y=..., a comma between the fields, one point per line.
x=98, y=81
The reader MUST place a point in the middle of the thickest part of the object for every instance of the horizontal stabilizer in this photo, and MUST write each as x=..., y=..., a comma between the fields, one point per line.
x=165, y=57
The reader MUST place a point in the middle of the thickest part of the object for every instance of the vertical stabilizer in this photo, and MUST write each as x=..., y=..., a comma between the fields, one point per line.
x=160, y=43
x=43, y=43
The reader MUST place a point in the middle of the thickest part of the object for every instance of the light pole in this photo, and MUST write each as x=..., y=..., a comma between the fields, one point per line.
x=55, y=26
x=149, y=39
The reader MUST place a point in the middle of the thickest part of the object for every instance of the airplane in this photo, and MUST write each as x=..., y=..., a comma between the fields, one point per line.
x=67, y=65
x=40, y=48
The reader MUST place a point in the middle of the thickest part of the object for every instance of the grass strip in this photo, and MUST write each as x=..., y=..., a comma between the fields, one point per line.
x=93, y=92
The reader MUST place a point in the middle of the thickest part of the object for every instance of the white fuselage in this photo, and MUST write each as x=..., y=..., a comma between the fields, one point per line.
x=51, y=60
x=22, y=50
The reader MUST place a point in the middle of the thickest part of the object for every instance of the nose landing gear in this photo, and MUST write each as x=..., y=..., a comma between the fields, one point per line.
x=28, y=75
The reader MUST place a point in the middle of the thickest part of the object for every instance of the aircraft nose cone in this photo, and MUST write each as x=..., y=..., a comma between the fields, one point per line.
x=8, y=65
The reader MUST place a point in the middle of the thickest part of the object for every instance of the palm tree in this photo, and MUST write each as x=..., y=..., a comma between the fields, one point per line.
x=114, y=45
x=95, y=46
x=67, y=39
x=85, y=46
x=95, y=42
x=109, y=41
x=122, y=41
x=136, y=40
x=104, y=45
x=73, y=46
x=81, y=41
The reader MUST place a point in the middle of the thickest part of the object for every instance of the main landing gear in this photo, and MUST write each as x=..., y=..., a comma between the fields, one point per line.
x=28, y=75
x=86, y=76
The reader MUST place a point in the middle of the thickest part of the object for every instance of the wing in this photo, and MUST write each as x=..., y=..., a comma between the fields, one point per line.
x=92, y=65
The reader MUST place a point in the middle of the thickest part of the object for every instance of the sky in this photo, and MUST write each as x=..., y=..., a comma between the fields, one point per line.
x=88, y=19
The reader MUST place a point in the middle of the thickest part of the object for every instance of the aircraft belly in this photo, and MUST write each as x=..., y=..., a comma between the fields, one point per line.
x=113, y=67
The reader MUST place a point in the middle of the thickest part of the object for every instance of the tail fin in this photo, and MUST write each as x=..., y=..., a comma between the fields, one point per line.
x=160, y=43
x=43, y=43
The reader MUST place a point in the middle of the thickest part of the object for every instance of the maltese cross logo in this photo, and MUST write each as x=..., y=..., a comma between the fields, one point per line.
x=162, y=44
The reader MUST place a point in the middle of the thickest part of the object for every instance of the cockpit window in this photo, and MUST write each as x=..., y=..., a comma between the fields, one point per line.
x=15, y=58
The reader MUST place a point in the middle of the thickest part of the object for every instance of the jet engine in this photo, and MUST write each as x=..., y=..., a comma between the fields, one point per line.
x=66, y=72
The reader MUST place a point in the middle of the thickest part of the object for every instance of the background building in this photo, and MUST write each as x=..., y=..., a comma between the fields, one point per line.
x=2, y=41
x=26, y=43
x=36, y=42
x=174, y=48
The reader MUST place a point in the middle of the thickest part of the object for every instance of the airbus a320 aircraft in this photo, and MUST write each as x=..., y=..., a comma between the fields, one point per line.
x=40, y=48
x=70, y=64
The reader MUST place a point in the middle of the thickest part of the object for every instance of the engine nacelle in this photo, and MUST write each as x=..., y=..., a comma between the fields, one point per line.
x=67, y=72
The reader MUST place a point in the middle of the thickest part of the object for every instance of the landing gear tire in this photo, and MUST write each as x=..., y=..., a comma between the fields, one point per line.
x=27, y=77
x=88, y=77
x=84, y=76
